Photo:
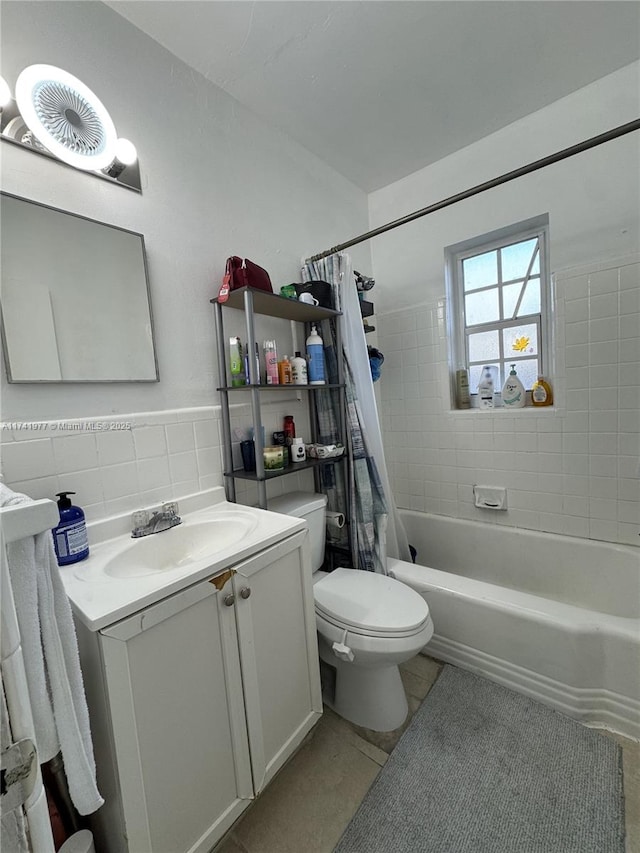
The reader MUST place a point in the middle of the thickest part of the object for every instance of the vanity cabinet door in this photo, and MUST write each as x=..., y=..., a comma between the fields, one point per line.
x=174, y=688
x=278, y=651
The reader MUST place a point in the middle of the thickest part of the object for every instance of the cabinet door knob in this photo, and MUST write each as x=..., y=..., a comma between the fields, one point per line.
x=229, y=600
x=245, y=592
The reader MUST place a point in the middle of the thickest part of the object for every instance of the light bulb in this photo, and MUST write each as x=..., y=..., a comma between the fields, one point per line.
x=126, y=151
x=5, y=93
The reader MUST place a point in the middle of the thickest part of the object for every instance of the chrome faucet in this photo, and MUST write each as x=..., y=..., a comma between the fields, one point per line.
x=163, y=519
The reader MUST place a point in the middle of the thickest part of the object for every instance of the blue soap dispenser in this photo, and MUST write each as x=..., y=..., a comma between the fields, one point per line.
x=70, y=536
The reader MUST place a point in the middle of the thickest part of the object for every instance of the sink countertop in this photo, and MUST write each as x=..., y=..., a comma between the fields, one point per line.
x=99, y=599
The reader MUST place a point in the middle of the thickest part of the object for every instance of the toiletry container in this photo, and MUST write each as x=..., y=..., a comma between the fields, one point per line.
x=462, y=388
x=315, y=353
x=70, y=536
x=513, y=393
x=298, y=452
x=284, y=371
x=289, y=429
x=237, y=363
x=271, y=362
x=486, y=388
x=299, y=370
x=541, y=393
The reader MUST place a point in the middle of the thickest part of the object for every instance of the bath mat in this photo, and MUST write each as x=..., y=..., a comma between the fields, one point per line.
x=482, y=769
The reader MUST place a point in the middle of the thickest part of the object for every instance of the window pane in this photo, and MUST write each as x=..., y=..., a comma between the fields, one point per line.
x=475, y=372
x=520, y=340
x=481, y=307
x=527, y=371
x=516, y=259
x=530, y=301
x=484, y=346
x=480, y=271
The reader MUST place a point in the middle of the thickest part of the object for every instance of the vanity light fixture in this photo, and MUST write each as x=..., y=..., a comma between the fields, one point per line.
x=126, y=155
x=55, y=114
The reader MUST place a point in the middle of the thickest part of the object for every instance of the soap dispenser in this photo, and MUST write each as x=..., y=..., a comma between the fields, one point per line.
x=513, y=393
x=70, y=536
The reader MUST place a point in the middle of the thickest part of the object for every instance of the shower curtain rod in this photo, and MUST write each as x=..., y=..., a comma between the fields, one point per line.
x=621, y=130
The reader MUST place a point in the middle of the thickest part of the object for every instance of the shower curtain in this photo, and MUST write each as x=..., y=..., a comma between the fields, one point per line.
x=375, y=526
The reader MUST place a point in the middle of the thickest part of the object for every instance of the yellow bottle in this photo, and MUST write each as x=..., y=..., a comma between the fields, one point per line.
x=541, y=393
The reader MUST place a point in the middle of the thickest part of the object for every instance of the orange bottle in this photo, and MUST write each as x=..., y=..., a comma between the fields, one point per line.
x=541, y=393
x=284, y=371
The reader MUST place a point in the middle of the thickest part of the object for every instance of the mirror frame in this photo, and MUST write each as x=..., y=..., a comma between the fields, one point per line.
x=5, y=349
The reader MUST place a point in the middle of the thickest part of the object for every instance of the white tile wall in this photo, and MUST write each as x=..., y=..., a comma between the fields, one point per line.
x=573, y=468
x=117, y=464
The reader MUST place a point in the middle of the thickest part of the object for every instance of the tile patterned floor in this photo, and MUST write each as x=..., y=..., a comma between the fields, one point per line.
x=308, y=805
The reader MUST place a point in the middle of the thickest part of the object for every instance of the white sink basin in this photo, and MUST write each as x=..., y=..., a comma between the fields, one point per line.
x=178, y=547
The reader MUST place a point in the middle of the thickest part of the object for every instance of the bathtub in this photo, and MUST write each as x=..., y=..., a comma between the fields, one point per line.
x=554, y=617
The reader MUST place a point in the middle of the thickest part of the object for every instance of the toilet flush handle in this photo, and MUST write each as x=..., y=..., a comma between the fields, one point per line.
x=341, y=650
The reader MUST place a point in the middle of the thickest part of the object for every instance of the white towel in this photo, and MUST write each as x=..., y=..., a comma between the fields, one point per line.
x=51, y=661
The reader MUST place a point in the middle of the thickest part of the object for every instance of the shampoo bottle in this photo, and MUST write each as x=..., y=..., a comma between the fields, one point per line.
x=513, y=393
x=541, y=393
x=236, y=362
x=315, y=351
x=70, y=536
x=486, y=389
x=299, y=370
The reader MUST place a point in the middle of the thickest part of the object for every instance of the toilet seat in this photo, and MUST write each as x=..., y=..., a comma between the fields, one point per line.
x=370, y=604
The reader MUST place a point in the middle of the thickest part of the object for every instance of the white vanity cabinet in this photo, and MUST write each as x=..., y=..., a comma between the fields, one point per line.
x=198, y=700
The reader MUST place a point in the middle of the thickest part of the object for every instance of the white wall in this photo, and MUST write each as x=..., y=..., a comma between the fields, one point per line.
x=571, y=469
x=216, y=181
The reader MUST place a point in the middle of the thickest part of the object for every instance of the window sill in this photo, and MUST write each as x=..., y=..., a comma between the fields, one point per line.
x=503, y=410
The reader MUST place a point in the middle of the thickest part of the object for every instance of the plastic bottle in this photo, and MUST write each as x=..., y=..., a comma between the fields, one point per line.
x=462, y=388
x=315, y=352
x=513, y=393
x=486, y=389
x=284, y=371
x=289, y=430
x=237, y=363
x=271, y=362
x=299, y=370
x=70, y=536
x=298, y=451
x=541, y=393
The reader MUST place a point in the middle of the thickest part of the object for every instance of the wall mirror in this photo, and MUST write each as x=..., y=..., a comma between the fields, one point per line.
x=75, y=298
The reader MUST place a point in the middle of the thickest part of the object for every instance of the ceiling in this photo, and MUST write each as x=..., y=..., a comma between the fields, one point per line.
x=380, y=89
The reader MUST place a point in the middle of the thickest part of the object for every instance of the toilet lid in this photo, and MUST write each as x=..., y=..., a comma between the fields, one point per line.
x=369, y=602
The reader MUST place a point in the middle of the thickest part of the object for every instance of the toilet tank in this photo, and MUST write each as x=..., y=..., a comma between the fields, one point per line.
x=311, y=506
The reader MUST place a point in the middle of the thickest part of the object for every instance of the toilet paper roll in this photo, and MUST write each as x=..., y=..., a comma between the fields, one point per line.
x=335, y=520
x=80, y=842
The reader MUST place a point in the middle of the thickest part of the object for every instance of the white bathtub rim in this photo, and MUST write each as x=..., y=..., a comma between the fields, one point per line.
x=501, y=598
x=594, y=707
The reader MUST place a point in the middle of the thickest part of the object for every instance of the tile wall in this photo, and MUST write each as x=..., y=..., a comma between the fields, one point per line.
x=117, y=464
x=573, y=468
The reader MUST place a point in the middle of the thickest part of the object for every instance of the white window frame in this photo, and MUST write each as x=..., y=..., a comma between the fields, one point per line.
x=456, y=327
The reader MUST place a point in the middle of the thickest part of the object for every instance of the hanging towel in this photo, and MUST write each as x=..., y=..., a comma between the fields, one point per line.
x=51, y=661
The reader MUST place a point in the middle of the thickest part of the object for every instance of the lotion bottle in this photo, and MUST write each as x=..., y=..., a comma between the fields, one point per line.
x=299, y=370
x=485, y=389
x=315, y=351
x=513, y=393
x=70, y=536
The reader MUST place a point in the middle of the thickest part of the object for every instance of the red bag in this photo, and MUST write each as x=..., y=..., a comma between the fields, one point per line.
x=241, y=272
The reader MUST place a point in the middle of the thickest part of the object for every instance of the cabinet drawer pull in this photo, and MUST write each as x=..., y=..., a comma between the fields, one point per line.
x=229, y=600
x=245, y=592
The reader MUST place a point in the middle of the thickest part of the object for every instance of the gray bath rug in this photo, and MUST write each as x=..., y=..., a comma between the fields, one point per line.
x=482, y=769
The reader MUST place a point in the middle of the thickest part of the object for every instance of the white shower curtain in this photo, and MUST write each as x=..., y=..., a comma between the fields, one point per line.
x=391, y=538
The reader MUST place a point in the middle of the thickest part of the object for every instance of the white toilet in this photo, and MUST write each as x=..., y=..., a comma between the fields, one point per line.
x=367, y=624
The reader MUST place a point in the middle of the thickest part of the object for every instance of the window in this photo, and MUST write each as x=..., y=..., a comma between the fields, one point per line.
x=498, y=287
